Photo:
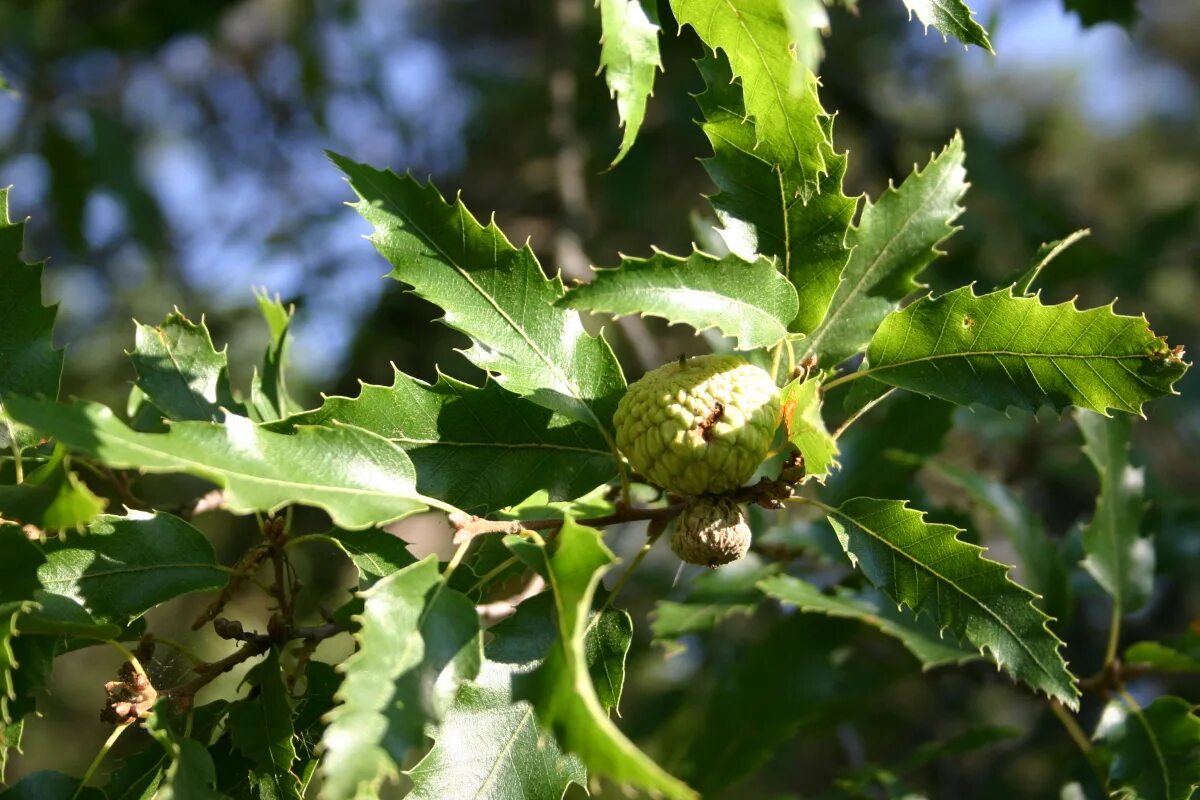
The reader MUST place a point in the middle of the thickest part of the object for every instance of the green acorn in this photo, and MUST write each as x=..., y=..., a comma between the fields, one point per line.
x=699, y=426
x=710, y=532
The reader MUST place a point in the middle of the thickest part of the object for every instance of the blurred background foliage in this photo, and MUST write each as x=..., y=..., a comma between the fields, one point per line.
x=170, y=154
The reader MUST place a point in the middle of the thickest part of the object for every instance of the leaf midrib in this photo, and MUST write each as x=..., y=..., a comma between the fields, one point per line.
x=1019, y=640
x=833, y=314
x=250, y=478
x=554, y=367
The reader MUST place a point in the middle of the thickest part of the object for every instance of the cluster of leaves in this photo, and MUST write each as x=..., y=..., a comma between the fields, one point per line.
x=808, y=283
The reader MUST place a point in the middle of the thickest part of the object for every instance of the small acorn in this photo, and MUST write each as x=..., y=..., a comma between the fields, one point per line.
x=710, y=532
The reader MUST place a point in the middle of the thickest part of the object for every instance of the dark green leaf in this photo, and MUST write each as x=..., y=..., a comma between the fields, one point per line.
x=1155, y=751
x=358, y=477
x=1172, y=656
x=1040, y=562
x=605, y=644
x=29, y=363
x=10, y=739
x=1118, y=556
x=51, y=498
x=787, y=114
x=269, y=398
x=801, y=403
x=489, y=745
x=770, y=691
x=1023, y=283
x=190, y=773
x=746, y=300
x=759, y=203
x=127, y=565
x=48, y=785
x=18, y=586
x=952, y=18
x=918, y=634
x=137, y=777
x=375, y=553
x=629, y=57
x=1000, y=350
x=1095, y=12
x=928, y=568
x=56, y=615
x=450, y=429
x=417, y=641
x=897, y=237
x=180, y=371
x=713, y=597
x=261, y=727
x=561, y=689
x=492, y=292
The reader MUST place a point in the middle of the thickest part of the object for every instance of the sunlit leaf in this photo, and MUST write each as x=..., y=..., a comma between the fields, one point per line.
x=926, y=567
x=896, y=238
x=802, y=422
x=759, y=203
x=493, y=292
x=629, y=59
x=746, y=300
x=490, y=744
x=416, y=642
x=952, y=18
x=1181, y=655
x=269, y=398
x=51, y=498
x=755, y=37
x=561, y=689
x=180, y=371
x=450, y=429
x=360, y=478
x=1000, y=350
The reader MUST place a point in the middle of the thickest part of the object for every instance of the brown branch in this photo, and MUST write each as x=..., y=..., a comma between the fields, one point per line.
x=253, y=644
x=767, y=493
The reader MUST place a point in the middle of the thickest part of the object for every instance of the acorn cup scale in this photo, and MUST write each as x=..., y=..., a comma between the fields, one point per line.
x=711, y=531
x=699, y=426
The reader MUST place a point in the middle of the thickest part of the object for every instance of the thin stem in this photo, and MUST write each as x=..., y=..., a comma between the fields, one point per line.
x=180, y=648
x=129, y=656
x=791, y=351
x=1073, y=730
x=492, y=573
x=1114, y=636
x=776, y=357
x=850, y=376
x=455, y=560
x=95, y=765
x=853, y=418
x=628, y=573
x=18, y=467
x=252, y=648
